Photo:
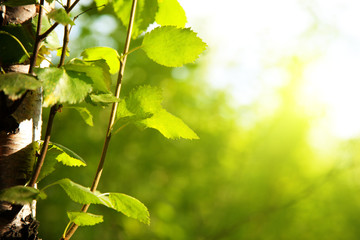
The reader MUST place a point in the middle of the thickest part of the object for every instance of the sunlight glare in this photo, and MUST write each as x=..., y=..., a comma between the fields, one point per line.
x=246, y=38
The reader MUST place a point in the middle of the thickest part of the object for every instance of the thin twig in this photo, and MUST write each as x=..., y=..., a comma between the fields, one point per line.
x=65, y=44
x=47, y=32
x=37, y=39
x=99, y=170
x=54, y=109
x=45, y=146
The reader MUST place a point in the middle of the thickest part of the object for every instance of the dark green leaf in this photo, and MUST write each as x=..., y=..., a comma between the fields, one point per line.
x=130, y=207
x=111, y=56
x=144, y=16
x=61, y=16
x=84, y=219
x=170, y=13
x=16, y=3
x=61, y=85
x=15, y=84
x=171, y=46
x=48, y=167
x=21, y=194
x=10, y=50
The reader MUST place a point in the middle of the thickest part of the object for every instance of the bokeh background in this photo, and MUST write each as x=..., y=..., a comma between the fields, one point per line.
x=275, y=102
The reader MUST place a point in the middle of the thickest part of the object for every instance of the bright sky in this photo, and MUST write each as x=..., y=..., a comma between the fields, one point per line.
x=249, y=40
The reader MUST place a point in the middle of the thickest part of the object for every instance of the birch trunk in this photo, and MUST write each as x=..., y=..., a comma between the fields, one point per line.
x=18, y=129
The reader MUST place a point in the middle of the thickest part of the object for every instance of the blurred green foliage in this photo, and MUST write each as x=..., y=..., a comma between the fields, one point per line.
x=260, y=182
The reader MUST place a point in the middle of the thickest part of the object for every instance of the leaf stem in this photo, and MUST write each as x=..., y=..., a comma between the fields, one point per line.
x=45, y=146
x=66, y=39
x=131, y=51
x=99, y=170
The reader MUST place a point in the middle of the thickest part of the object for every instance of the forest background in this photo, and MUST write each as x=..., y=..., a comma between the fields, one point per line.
x=273, y=100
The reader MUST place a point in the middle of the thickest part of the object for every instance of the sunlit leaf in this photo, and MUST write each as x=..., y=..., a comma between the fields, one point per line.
x=21, y=194
x=122, y=111
x=84, y=219
x=100, y=3
x=172, y=47
x=144, y=99
x=59, y=154
x=61, y=16
x=170, y=13
x=104, y=98
x=78, y=193
x=63, y=86
x=85, y=115
x=96, y=70
x=16, y=84
x=59, y=52
x=111, y=56
x=65, y=156
x=130, y=207
x=169, y=125
x=143, y=107
x=144, y=15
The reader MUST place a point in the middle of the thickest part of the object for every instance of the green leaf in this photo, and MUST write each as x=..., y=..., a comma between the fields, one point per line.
x=64, y=155
x=59, y=52
x=143, y=107
x=59, y=154
x=10, y=49
x=122, y=111
x=169, y=125
x=172, y=47
x=144, y=99
x=16, y=3
x=21, y=194
x=63, y=86
x=78, y=193
x=144, y=15
x=100, y=3
x=84, y=219
x=85, y=115
x=48, y=167
x=170, y=13
x=51, y=41
x=61, y=16
x=96, y=70
x=111, y=56
x=130, y=207
x=104, y=98
x=15, y=84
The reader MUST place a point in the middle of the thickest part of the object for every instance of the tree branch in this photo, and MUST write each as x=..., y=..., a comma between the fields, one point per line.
x=99, y=170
